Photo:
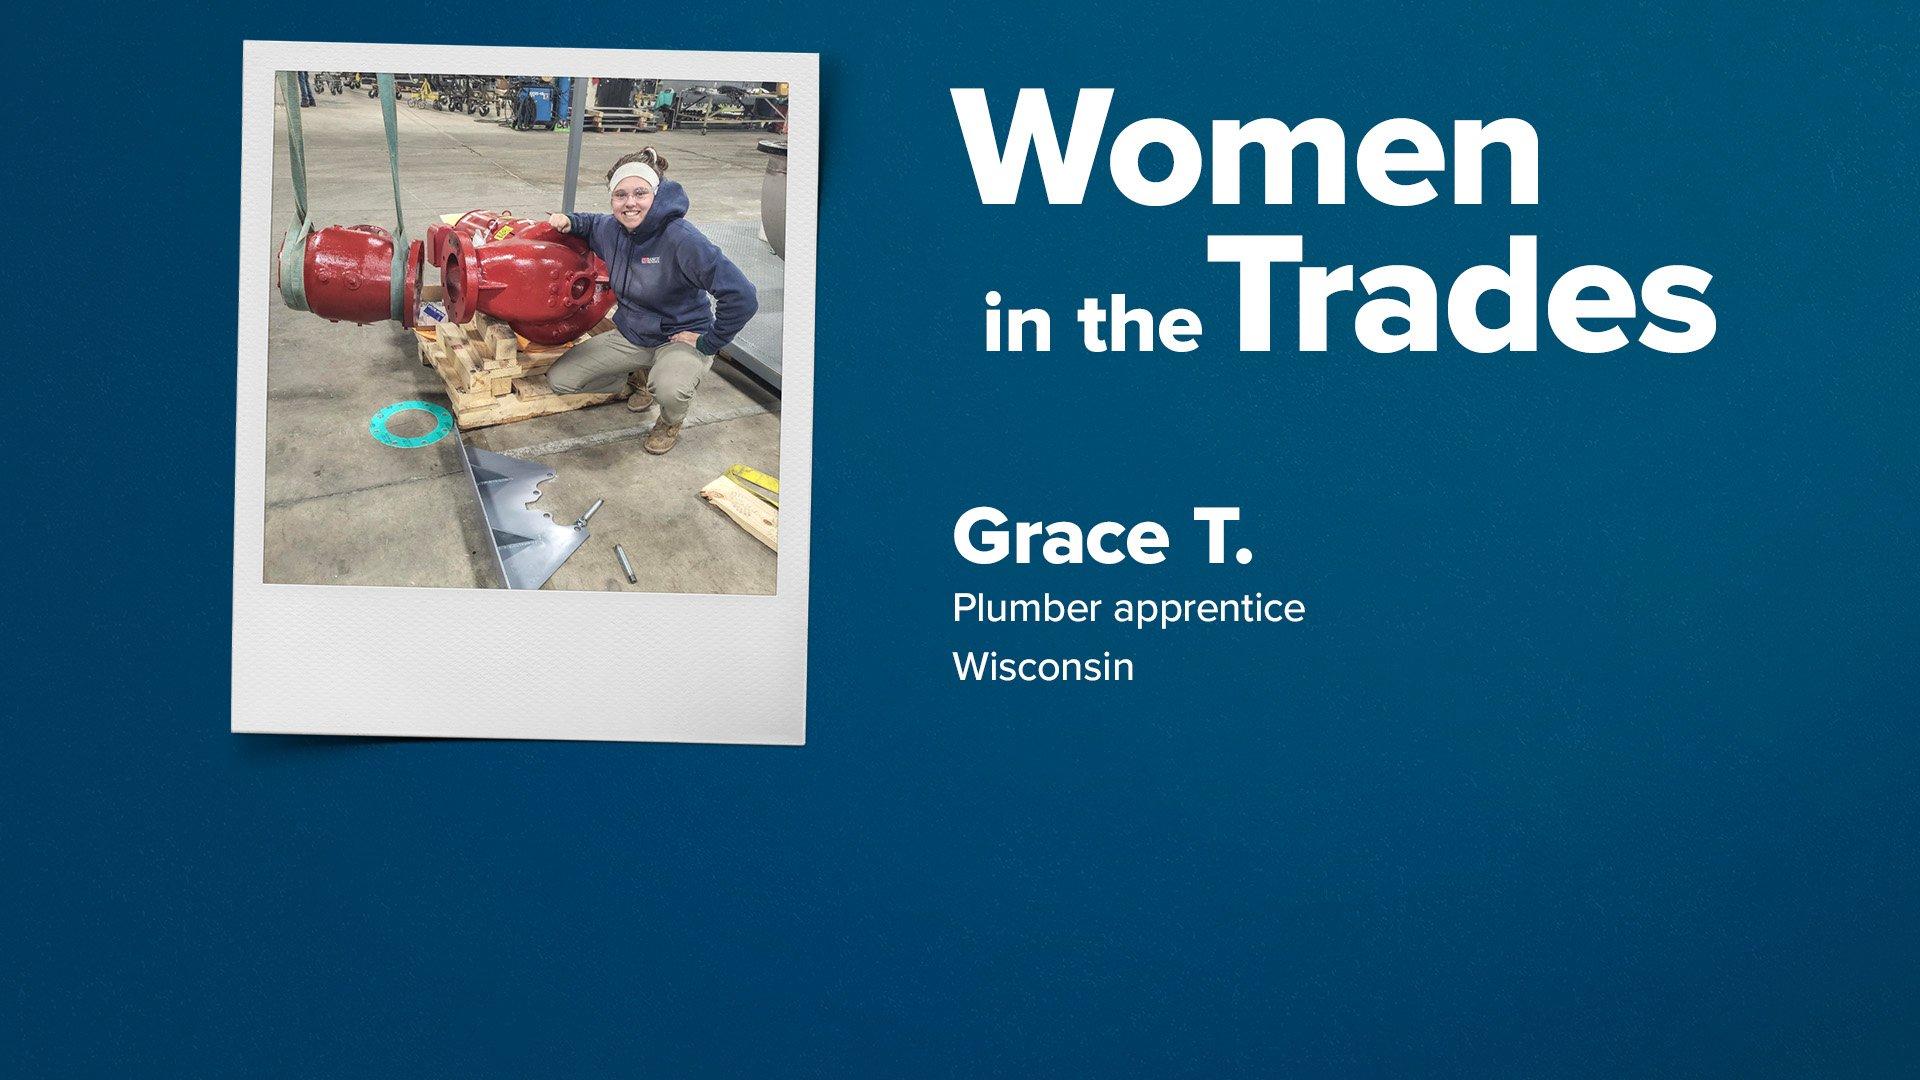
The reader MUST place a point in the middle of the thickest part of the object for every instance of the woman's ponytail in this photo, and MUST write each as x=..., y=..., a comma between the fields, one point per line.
x=647, y=155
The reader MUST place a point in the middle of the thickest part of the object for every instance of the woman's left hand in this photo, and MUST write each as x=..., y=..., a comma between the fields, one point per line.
x=687, y=337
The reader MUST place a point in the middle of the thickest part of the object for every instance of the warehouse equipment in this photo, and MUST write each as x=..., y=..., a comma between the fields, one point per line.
x=773, y=195
x=724, y=107
x=533, y=105
x=469, y=94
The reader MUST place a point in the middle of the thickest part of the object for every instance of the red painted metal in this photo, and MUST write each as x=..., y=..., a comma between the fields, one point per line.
x=542, y=282
x=347, y=272
x=416, y=271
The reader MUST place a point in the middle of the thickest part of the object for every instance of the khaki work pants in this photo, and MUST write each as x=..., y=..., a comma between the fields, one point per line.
x=601, y=364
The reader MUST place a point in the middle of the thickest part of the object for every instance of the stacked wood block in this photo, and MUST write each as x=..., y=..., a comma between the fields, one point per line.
x=494, y=376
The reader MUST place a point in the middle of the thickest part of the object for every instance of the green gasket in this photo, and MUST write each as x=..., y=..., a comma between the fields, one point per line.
x=378, y=425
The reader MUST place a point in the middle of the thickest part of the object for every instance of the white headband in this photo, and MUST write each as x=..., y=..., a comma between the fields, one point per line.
x=634, y=168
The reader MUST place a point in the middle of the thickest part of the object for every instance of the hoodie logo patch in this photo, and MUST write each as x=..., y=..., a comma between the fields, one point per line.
x=649, y=260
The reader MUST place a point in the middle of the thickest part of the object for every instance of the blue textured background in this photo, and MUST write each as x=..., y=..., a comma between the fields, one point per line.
x=1596, y=757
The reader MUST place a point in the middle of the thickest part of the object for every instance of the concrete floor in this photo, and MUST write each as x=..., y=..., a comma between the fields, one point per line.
x=343, y=508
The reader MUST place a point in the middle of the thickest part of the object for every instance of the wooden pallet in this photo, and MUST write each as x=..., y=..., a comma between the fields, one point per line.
x=612, y=119
x=494, y=376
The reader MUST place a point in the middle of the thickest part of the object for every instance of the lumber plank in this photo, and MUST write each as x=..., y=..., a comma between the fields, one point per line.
x=747, y=510
x=530, y=389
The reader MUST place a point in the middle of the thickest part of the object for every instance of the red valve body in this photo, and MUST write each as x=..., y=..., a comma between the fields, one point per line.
x=542, y=282
x=347, y=274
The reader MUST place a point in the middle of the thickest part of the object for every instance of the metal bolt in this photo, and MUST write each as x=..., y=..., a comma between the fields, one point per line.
x=621, y=554
x=582, y=523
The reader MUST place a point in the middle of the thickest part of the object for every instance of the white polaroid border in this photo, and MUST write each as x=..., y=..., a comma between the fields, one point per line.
x=353, y=660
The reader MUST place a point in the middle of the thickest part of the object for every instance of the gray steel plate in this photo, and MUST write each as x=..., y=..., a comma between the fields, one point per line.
x=528, y=545
x=757, y=347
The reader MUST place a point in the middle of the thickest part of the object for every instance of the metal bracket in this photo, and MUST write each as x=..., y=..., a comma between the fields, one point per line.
x=528, y=545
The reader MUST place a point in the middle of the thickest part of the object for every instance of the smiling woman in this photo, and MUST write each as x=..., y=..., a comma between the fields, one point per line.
x=633, y=180
x=681, y=300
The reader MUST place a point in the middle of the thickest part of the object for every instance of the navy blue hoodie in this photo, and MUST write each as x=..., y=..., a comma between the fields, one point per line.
x=663, y=270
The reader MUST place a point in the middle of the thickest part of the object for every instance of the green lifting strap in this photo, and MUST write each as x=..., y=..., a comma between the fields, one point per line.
x=388, y=113
x=293, y=248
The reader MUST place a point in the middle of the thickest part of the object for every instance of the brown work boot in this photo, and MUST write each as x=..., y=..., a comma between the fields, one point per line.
x=641, y=398
x=662, y=437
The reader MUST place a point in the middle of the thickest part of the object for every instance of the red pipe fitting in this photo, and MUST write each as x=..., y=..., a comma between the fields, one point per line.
x=542, y=282
x=347, y=274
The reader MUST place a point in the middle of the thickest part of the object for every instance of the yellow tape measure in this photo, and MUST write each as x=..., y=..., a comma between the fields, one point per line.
x=767, y=487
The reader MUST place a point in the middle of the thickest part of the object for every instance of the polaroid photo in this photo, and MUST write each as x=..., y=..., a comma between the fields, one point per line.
x=525, y=392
